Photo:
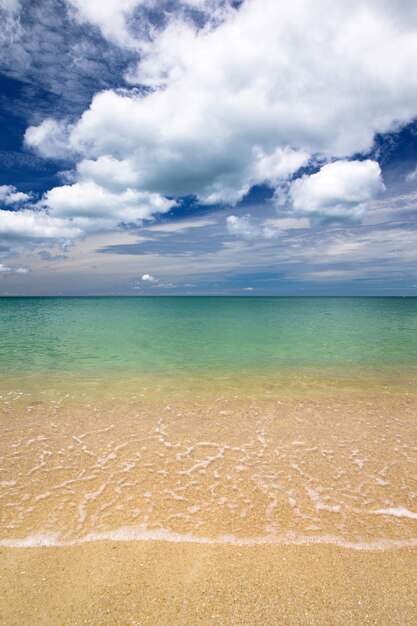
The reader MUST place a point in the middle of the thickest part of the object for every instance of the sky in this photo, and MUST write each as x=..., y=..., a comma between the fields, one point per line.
x=208, y=147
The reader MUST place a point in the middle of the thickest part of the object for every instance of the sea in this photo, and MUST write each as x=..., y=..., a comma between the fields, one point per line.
x=208, y=419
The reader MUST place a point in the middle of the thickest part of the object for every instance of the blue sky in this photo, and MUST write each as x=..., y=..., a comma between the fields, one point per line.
x=208, y=147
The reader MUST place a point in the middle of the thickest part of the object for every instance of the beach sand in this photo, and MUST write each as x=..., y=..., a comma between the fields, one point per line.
x=157, y=582
x=234, y=477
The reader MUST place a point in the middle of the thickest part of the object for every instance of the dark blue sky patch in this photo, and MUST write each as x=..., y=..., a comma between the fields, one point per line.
x=396, y=153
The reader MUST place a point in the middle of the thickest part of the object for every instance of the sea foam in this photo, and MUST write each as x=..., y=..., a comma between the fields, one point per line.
x=142, y=533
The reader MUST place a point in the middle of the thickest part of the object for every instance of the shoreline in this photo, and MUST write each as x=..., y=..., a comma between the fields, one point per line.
x=158, y=582
x=133, y=535
x=236, y=477
x=19, y=389
x=306, y=471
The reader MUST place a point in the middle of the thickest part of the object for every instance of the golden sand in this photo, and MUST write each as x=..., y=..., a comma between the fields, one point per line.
x=166, y=584
x=257, y=502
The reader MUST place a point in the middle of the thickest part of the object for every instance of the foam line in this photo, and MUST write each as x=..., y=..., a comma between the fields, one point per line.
x=142, y=533
x=396, y=512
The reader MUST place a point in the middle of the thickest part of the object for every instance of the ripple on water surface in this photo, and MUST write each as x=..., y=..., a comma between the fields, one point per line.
x=232, y=467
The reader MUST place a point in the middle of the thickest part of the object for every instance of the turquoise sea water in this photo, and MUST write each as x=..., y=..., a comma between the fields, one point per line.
x=157, y=334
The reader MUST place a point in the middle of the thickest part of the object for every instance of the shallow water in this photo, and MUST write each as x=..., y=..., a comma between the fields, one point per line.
x=255, y=463
x=205, y=334
x=211, y=420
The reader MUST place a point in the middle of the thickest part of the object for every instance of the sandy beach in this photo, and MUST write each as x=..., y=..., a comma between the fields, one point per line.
x=208, y=313
x=166, y=583
x=144, y=505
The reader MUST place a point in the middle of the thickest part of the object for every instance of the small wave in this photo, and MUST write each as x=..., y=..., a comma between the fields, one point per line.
x=141, y=533
x=396, y=512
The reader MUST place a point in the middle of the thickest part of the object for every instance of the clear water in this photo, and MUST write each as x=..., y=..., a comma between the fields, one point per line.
x=177, y=334
x=208, y=419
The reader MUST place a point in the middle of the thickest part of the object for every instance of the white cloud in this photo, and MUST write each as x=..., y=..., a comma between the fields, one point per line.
x=382, y=252
x=114, y=17
x=148, y=278
x=249, y=101
x=10, y=24
x=277, y=165
x=331, y=275
x=340, y=190
x=109, y=16
x=247, y=98
x=35, y=226
x=181, y=226
x=9, y=196
x=105, y=209
x=247, y=228
x=13, y=269
x=50, y=139
x=72, y=211
x=161, y=150
x=10, y=6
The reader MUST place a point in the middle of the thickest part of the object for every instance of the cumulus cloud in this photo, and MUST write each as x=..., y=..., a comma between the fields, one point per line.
x=247, y=228
x=110, y=17
x=30, y=225
x=9, y=196
x=165, y=152
x=219, y=105
x=50, y=139
x=104, y=209
x=246, y=102
x=339, y=191
x=148, y=278
x=72, y=211
x=129, y=23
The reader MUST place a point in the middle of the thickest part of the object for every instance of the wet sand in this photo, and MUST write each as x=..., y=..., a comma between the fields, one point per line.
x=338, y=467
x=277, y=504
x=164, y=583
